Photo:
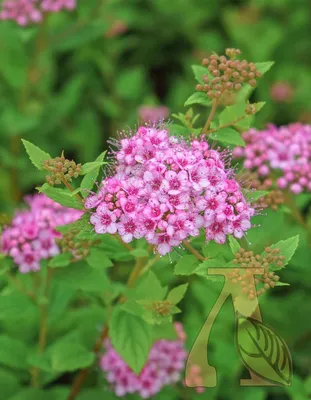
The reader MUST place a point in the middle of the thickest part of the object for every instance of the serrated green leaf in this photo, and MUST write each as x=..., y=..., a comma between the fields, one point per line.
x=199, y=71
x=234, y=244
x=282, y=284
x=186, y=265
x=91, y=166
x=198, y=98
x=287, y=249
x=61, y=196
x=232, y=113
x=255, y=195
x=68, y=356
x=228, y=136
x=131, y=337
x=80, y=225
x=98, y=259
x=61, y=260
x=90, y=178
x=36, y=155
x=148, y=288
x=177, y=294
x=264, y=67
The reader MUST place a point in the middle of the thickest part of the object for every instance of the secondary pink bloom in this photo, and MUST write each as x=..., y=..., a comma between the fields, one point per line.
x=31, y=236
x=283, y=152
x=166, y=190
x=164, y=366
x=25, y=12
x=153, y=114
x=282, y=92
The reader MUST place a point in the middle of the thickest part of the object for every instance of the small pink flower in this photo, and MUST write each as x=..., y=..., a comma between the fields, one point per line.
x=128, y=229
x=104, y=220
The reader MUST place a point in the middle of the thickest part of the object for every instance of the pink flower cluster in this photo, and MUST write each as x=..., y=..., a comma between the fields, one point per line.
x=31, y=236
x=153, y=114
x=25, y=12
x=284, y=151
x=165, y=190
x=164, y=365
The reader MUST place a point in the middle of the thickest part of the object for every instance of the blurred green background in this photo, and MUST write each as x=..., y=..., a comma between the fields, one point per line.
x=73, y=81
x=80, y=77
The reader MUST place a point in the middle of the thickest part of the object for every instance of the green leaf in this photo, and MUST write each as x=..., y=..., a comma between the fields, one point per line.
x=228, y=136
x=281, y=284
x=139, y=253
x=91, y=166
x=264, y=67
x=68, y=356
x=148, y=288
x=80, y=225
x=82, y=277
x=98, y=259
x=177, y=293
x=287, y=249
x=131, y=337
x=13, y=304
x=199, y=71
x=198, y=98
x=263, y=351
x=234, y=245
x=61, y=260
x=61, y=196
x=186, y=265
x=90, y=178
x=232, y=113
x=252, y=197
x=36, y=155
x=13, y=352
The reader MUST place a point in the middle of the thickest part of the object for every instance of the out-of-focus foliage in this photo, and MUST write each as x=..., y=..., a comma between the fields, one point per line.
x=73, y=81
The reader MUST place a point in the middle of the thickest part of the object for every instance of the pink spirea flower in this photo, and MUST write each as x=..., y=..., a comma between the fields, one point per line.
x=153, y=114
x=164, y=366
x=31, y=236
x=284, y=152
x=25, y=12
x=166, y=190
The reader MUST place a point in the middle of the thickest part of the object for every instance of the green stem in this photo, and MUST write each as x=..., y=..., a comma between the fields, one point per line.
x=192, y=250
x=210, y=117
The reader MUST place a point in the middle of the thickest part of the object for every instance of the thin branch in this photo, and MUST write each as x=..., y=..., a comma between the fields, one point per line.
x=210, y=117
x=192, y=250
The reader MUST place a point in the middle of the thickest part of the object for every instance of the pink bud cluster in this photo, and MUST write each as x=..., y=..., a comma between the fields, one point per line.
x=164, y=366
x=165, y=190
x=25, y=12
x=153, y=114
x=284, y=152
x=31, y=236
